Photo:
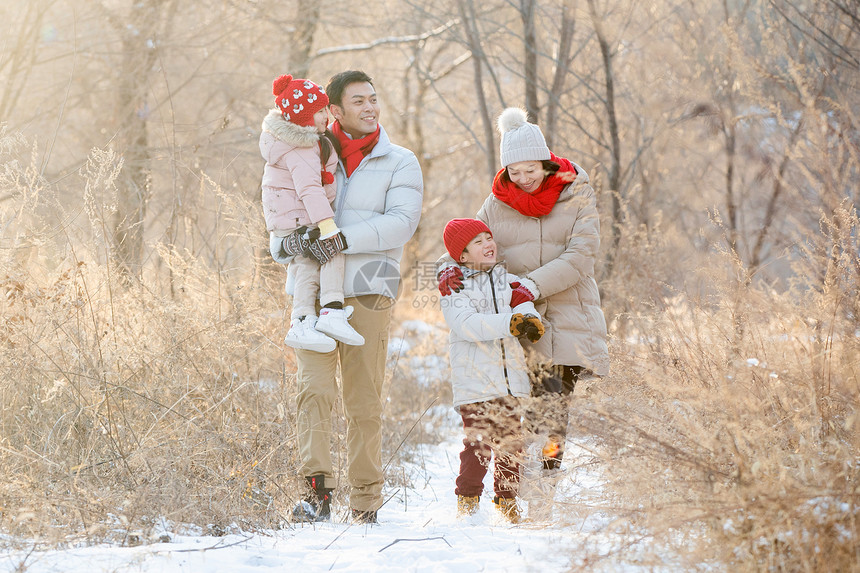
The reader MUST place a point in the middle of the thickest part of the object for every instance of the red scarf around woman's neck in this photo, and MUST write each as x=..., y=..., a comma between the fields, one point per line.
x=543, y=199
x=352, y=151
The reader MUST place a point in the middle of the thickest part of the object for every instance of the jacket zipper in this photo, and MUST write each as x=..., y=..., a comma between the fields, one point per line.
x=342, y=197
x=340, y=200
x=501, y=340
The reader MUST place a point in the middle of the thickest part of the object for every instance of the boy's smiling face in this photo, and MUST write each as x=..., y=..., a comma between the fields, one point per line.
x=480, y=253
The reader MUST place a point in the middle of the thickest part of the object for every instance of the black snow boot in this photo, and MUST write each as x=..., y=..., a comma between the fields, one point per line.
x=360, y=517
x=316, y=505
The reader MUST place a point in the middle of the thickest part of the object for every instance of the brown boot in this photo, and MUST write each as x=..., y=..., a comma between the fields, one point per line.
x=508, y=508
x=552, y=452
x=467, y=505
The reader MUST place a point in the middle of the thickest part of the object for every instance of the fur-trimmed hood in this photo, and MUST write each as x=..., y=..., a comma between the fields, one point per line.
x=292, y=188
x=290, y=133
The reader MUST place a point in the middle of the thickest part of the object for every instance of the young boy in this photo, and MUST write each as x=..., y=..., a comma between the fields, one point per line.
x=489, y=371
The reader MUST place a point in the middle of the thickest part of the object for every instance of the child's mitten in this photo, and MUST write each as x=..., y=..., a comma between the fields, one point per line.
x=297, y=243
x=324, y=249
x=450, y=280
x=533, y=328
x=518, y=324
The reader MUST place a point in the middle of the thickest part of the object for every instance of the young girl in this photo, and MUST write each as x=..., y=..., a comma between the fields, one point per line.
x=298, y=189
x=489, y=371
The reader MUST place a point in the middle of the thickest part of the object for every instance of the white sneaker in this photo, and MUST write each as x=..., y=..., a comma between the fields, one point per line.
x=304, y=336
x=333, y=321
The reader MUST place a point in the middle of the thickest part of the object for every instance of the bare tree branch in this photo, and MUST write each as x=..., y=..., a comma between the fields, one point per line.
x=387, y=40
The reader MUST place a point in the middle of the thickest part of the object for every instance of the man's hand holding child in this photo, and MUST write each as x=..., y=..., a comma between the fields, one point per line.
x=297, y=242
x=326, y=241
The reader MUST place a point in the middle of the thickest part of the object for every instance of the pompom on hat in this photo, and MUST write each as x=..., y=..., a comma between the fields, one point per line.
x=521, y=140
x=459, y=232
x=298, y=99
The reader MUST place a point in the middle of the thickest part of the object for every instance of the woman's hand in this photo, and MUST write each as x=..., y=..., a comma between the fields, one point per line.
x=522, y=293
x=450, y=280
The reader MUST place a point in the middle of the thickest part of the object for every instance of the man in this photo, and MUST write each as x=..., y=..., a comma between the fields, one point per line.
x=378, y=205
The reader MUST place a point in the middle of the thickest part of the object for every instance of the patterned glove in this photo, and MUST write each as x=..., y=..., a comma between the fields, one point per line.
x=518, y=324
x=450, y=280
x=534, y=328
x=323, y=250
x=521, y=294
x=297, y=243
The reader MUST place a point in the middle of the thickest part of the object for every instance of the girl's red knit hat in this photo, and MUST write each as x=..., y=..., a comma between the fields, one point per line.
x=459, y=232
x=298, y=99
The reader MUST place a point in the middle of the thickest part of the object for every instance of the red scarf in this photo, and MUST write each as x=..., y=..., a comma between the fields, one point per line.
x=352, y=151
x=543, y=199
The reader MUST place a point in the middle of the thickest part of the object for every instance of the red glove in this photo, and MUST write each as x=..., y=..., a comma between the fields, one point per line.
x=450, y=280
x=520, y=295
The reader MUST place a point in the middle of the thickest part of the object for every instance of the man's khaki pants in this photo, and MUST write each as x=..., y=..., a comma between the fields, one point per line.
x=362, y=375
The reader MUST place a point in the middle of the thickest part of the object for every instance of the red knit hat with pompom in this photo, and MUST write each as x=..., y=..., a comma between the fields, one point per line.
x=298, y=99
x=458, y=234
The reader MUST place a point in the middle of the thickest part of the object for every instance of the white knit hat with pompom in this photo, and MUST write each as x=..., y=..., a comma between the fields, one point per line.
x=521, y=140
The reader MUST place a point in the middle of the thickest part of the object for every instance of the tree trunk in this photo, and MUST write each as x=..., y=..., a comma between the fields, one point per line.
x=562, y=64
x=308, y=16
x=467, y=14
x=615, y=140
x=530, y=64
x=139, y=45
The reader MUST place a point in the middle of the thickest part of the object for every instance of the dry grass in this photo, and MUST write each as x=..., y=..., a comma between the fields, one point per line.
x=130, y=405
x=121, y=404
x=728, y=431
x=726, y=434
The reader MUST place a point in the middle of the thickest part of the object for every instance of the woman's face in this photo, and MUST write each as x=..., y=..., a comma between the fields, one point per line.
x=527, y=175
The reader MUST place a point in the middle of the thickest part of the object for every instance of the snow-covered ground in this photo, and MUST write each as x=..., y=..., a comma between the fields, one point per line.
x=418, y=531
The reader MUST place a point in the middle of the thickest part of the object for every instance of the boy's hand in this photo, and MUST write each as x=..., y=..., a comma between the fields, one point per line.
x=450, y=280
x=526, y=325
x=534, y=328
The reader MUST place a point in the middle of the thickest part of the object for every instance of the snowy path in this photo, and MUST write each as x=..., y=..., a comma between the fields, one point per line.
x=419, y=532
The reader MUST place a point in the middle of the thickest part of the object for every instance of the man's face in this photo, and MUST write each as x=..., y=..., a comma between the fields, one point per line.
x=358, y=113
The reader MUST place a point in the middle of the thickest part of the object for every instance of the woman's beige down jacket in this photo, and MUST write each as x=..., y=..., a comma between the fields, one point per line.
x=557, y=251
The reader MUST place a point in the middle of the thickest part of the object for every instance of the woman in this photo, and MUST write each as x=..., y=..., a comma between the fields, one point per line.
x=543, y=215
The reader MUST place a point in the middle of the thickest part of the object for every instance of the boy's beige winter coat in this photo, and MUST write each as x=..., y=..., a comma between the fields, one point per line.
x=557, y=251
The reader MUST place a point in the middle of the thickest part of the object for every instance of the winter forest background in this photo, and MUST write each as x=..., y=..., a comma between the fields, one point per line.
x=143, y=371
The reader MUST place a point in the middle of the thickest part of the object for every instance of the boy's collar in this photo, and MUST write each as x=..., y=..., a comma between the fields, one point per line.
x=470, y=272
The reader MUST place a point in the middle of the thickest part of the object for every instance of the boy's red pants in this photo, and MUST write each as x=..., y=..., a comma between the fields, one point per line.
x=491, y=428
